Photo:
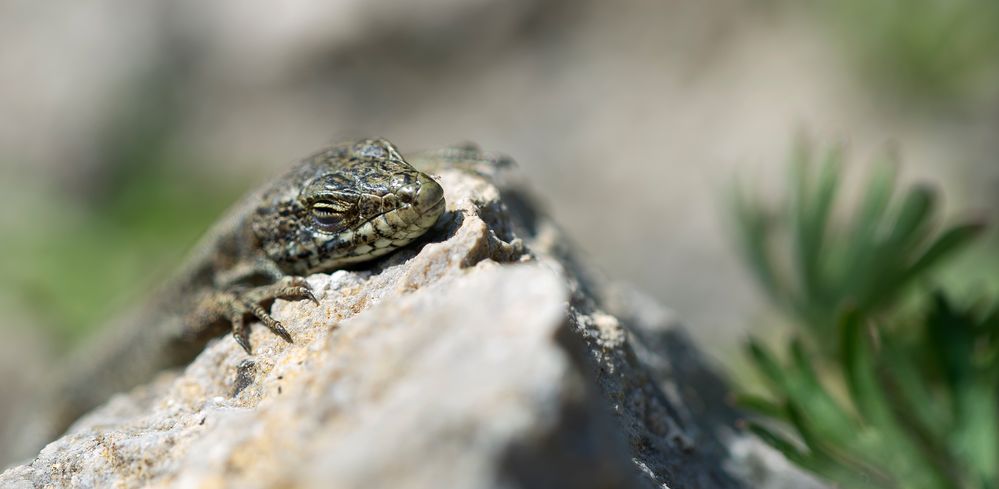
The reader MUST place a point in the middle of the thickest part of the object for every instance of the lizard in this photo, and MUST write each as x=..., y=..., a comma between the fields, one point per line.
x=348, y=203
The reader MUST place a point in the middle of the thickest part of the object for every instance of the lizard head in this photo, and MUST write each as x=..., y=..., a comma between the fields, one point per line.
x=350, y=203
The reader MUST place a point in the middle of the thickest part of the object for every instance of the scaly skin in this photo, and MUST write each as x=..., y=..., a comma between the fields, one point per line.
x=346, y=204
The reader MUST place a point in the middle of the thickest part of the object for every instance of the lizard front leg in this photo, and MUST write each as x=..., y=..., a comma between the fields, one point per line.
x=238, y=302
x=232, y=300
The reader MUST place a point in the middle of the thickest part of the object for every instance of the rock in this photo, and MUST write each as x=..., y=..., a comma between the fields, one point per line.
x=483, y=356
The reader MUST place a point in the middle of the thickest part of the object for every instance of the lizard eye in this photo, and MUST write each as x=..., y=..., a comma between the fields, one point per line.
x=327, y=215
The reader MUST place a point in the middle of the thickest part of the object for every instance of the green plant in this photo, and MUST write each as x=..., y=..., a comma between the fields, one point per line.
x=870, y=394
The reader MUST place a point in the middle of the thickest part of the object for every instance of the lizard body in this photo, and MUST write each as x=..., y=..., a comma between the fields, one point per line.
x=346, y=204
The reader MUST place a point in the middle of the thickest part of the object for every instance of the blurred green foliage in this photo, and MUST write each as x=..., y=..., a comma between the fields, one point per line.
x=870, y=393
x=864, y=262
x=77, y=255
x=73, y=262
x=924, y=50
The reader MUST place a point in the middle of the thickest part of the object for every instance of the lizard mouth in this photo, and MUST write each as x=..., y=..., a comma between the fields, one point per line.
x=437, y=208
x=396, y=228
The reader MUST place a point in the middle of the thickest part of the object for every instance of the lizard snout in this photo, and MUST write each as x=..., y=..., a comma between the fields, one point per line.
x=429, y=195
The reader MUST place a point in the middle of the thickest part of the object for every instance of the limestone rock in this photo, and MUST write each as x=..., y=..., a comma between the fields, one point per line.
x=483, y=356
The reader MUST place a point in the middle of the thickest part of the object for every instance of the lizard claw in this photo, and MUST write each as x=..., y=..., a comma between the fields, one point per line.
x=279, y=330
x=241, y=333
x=273, y=324
x=301, y=293
x=240, y=303
x=298, y=288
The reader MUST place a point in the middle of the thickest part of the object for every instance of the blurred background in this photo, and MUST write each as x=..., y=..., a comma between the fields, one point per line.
x=127, y=126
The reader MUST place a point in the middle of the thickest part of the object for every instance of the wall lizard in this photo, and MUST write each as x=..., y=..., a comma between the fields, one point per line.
x=348, y=203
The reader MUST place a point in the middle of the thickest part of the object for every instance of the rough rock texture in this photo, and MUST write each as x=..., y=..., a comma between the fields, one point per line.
x=483, y=356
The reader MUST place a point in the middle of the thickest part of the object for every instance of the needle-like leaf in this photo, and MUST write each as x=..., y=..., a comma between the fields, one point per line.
x=865, y=396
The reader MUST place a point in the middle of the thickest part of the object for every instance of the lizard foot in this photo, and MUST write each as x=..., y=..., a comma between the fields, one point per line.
x=241, y=302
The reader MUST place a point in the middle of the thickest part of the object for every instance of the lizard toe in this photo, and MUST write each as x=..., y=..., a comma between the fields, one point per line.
x=272, y=324
x=299, y=293
x=241, y=333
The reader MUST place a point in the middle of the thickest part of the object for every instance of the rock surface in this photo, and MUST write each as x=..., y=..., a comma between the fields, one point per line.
x=483, y=356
